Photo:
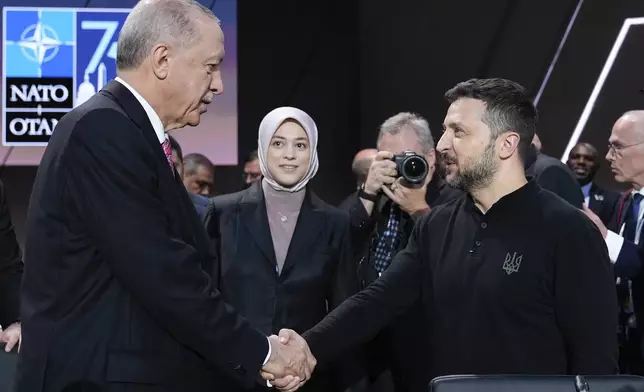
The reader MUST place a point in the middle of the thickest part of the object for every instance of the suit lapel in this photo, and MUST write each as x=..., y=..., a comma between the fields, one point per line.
x=170, y=186
x=253, y=214
x=310, y=222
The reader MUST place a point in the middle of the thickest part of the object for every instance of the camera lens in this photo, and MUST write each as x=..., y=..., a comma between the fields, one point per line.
x=414, y=169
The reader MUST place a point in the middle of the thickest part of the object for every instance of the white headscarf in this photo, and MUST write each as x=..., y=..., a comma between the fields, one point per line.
x=267, y=129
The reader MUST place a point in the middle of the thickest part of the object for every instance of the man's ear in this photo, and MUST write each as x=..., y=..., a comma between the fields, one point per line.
x=509, y=143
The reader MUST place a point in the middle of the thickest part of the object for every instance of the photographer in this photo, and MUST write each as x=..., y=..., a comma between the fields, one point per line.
x=382, y=217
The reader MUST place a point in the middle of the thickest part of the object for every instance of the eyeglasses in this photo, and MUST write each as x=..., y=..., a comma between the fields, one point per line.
x=617, y=151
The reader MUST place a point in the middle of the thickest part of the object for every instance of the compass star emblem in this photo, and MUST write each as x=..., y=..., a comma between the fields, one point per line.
x=39, y=43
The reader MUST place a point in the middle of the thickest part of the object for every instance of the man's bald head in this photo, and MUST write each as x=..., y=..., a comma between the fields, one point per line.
x=626, y=148
x=362, y=162
x=631, y=121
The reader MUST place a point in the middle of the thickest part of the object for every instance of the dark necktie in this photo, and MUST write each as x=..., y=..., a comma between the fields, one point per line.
x=167, y=149
x=630, y=224
x=388, y=240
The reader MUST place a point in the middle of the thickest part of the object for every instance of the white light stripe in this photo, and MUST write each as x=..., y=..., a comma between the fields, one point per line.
x=537, y=98
x=583, y=119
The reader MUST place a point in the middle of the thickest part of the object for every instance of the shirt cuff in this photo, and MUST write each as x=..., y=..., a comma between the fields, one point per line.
x=614, y=244
x=270, y=350
x=268, y=356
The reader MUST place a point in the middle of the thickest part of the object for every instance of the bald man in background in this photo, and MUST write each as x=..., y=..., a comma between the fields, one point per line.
x=623, y=235
x=360, y=167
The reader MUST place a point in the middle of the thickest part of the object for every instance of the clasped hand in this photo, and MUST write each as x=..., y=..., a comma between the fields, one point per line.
x=11, y=336
x=291, y=362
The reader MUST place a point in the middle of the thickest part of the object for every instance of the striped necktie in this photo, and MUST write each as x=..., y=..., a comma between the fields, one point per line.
x=167, y=149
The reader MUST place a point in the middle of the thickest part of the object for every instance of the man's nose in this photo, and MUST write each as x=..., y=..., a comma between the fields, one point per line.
x=443, y=143
x=217, y=84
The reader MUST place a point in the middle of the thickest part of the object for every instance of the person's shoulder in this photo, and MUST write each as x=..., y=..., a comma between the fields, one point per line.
x=334, y=213
x=558, y=213
x=440, y=214
x=226, y=201
x=198, y=200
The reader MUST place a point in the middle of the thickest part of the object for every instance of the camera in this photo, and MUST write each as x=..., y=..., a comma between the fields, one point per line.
x=412, y=167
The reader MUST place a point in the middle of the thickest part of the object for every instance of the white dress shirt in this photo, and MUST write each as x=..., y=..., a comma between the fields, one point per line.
x=157, y=125
x=615, y=241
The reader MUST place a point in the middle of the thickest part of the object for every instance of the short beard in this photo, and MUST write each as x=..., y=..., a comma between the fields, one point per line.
x=478, y=174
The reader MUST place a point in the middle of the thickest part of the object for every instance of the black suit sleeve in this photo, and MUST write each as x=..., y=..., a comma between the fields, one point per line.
x=345, y=281
x=114, y=175
x=558, y=181
x=359, y=318
x=361, y=224
x=586, y=299
x=10, y=266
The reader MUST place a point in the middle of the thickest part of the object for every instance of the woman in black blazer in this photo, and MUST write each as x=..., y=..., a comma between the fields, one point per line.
x=284, y=254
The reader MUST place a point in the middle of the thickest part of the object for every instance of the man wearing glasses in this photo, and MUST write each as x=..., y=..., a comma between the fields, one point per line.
x=623, y=234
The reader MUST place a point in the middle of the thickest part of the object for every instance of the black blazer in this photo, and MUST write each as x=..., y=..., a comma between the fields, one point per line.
x=553, y=175
x=10, y=266
x=318, y=273
x=200, y=203
x=603, y=202
x=114, y=290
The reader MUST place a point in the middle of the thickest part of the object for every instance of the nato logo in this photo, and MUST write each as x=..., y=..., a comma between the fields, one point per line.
x=54, y=59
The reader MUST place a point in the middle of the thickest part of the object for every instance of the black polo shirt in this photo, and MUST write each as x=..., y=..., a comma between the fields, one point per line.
x=525, y=288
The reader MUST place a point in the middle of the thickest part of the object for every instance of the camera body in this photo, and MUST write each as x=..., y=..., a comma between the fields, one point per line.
x=412, y=167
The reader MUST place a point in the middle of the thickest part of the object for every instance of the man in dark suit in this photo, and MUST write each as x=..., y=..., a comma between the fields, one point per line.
x=10, y=277
x=507, y=275
x=114, y=294
x=584, y=164
x=553, y=175
x=200, y=202
x=623, y=234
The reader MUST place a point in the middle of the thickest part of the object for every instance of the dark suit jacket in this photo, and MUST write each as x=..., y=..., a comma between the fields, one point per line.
x=553, y=175
x=629, y=262
x=114, y=290
x=318, y=273
x=603, y=202
x=200, y=203
x=10, y=266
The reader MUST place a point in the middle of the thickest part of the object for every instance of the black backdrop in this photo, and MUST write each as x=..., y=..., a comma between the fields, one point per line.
x=351, y=64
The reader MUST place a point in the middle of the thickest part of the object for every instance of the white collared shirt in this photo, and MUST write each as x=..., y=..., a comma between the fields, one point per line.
x=614, y=241
x=155, y=120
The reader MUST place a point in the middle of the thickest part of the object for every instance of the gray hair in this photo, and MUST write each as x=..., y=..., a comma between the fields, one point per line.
x=409, y=121
x=155, y=21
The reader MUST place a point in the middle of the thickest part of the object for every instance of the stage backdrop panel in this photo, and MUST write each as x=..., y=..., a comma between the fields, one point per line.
x=56, y=54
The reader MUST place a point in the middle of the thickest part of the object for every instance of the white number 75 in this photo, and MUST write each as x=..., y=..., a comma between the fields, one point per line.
x=109, y=30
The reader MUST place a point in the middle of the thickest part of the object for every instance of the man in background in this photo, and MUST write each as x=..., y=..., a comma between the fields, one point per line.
x=361, y=164
x=383, y=214
x=583, y=162
x=553, y=175
x=252, y=172
x=200, y=202
x=623, y=235
x=10, y=278
x=198, y=174
x=360, y=167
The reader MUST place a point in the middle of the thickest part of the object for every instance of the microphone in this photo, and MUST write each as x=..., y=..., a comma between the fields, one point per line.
x=581, y=385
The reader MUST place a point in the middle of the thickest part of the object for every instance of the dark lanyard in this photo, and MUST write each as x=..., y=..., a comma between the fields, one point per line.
x=621, y=206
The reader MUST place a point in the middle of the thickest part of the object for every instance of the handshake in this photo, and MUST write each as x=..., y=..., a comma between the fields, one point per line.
x=291, y=362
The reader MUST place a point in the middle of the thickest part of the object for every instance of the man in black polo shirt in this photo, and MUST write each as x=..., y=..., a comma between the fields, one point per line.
x=512, y=279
